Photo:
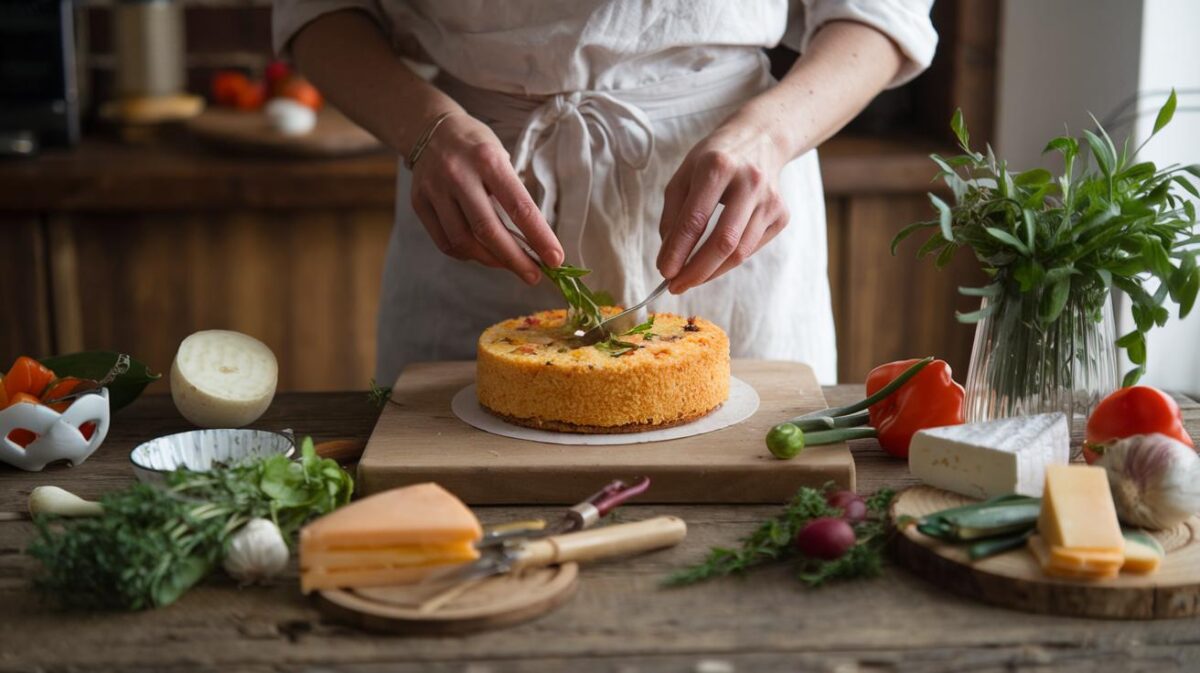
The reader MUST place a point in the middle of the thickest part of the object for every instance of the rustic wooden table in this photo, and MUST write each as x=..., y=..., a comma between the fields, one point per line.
x=620, y=620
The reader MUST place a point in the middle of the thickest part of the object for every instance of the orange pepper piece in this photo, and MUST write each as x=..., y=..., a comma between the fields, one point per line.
x=58, y=388
x=27, y=376
x=21, y=436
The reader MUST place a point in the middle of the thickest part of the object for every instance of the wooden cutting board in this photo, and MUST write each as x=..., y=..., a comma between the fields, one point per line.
x=475, y=605
x=1014, y=580
x=249, y=133
x=418, y=439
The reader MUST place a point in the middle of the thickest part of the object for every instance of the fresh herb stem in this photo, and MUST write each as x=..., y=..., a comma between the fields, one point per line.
x=879, y=395
x=774, y=541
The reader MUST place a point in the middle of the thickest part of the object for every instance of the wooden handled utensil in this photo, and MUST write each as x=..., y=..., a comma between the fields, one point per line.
x=617, y=540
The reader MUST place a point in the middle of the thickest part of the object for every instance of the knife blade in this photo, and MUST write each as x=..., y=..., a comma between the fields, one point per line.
x=578, y=517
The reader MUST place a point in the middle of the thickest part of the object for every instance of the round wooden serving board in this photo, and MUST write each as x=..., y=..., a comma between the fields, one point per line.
x=1014, y=580
x=250, y=133
x=476, y=605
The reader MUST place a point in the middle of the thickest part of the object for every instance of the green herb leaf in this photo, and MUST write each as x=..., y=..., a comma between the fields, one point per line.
x=1165, y=113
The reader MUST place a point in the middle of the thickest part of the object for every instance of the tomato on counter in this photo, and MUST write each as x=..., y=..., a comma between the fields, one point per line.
x=227, y=87
x=1136, y=410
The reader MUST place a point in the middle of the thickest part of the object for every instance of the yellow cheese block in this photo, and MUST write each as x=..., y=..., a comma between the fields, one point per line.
x=1078, y=512
x=393, y=537
x=1041, y=552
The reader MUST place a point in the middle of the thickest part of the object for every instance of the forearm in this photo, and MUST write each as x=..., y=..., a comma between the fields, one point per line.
x=347, y=56
x=846, y=65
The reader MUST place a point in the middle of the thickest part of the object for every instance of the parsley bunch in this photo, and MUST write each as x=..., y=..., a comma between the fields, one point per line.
x=774, y=541
x=1075, y=236
x=152, y=544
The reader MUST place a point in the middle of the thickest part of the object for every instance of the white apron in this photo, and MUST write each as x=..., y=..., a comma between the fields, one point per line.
x=597, y=164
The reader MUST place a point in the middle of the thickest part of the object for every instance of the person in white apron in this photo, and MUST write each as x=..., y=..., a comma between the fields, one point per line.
x=621, y=136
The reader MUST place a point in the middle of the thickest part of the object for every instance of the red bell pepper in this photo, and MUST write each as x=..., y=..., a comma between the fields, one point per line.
x=931, y=399
x=902, y=398
x=1136, y=410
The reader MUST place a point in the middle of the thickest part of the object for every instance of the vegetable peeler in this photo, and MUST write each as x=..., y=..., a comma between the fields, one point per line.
x=579, y=517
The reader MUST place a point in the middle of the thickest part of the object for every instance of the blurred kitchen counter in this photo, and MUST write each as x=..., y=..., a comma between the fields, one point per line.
x=132, y=247
x=104, y=175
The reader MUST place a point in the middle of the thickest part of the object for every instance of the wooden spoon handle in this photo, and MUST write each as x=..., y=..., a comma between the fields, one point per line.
x=341, y=450
x=617, y=540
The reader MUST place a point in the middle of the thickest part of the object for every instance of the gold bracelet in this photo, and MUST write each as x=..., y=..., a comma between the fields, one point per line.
x=423, y=141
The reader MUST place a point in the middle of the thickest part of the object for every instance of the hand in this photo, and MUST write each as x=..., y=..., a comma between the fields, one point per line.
x=461, y=167
x=737, y=165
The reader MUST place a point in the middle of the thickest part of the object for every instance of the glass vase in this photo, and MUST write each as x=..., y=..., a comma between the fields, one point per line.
x=1020, y=367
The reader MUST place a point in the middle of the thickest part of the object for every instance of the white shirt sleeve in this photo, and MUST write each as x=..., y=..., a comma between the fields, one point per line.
x=288, y=17
x=906, y=22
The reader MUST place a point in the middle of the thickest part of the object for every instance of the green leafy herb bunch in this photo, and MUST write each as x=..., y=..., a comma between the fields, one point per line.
x=1105, y=221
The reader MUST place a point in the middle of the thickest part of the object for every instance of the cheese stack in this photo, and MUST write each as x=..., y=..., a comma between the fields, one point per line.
x=394, y=537
x=1079, y=534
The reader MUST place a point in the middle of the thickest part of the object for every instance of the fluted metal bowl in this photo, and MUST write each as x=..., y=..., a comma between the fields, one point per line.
x=199, y=450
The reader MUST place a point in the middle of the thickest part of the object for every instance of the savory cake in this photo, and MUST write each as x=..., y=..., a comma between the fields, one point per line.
x=674, y=371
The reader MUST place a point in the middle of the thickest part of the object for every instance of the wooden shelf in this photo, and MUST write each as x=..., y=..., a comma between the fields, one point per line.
x=105, y=176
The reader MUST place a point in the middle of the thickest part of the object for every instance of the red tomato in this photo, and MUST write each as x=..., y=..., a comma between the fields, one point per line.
x=252, y=97
x=1137, y=410
x=27, y=376
x=299, y=90
x=227, y=86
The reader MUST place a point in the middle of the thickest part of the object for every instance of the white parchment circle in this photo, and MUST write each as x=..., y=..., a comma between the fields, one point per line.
x=742, y=403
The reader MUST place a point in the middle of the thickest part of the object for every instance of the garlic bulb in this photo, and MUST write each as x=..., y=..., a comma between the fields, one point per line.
x=256, y=553
x=1155, y=480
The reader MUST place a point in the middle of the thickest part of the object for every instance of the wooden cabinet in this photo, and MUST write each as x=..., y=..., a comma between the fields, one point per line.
x=134, y=247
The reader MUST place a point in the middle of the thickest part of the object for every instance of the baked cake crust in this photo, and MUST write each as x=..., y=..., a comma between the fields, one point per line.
x=529, y=374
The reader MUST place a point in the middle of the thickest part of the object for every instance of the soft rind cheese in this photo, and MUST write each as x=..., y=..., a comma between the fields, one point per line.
x=393, y=537
x=223, y=379
x=983, y=460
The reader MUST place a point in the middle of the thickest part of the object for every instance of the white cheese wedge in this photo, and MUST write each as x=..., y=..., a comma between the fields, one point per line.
x=982, y=460
x=223, y=379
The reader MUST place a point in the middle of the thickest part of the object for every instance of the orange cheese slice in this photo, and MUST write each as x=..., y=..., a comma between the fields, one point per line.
x=1045, y=559
x=1078, y=512
x=392, y=537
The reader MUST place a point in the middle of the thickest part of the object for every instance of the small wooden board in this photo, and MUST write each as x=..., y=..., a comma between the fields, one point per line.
x=418, y=438
x=1014, y=580
x=492, y=603
x=248, y=132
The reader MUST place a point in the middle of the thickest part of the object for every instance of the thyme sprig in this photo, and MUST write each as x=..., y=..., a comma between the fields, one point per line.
x=774, y=541
x=1072, y=238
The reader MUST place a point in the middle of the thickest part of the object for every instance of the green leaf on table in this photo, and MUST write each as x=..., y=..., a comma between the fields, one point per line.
x=96, y=365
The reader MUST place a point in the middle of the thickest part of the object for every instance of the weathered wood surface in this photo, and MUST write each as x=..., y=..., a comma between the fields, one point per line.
x=620, y=620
